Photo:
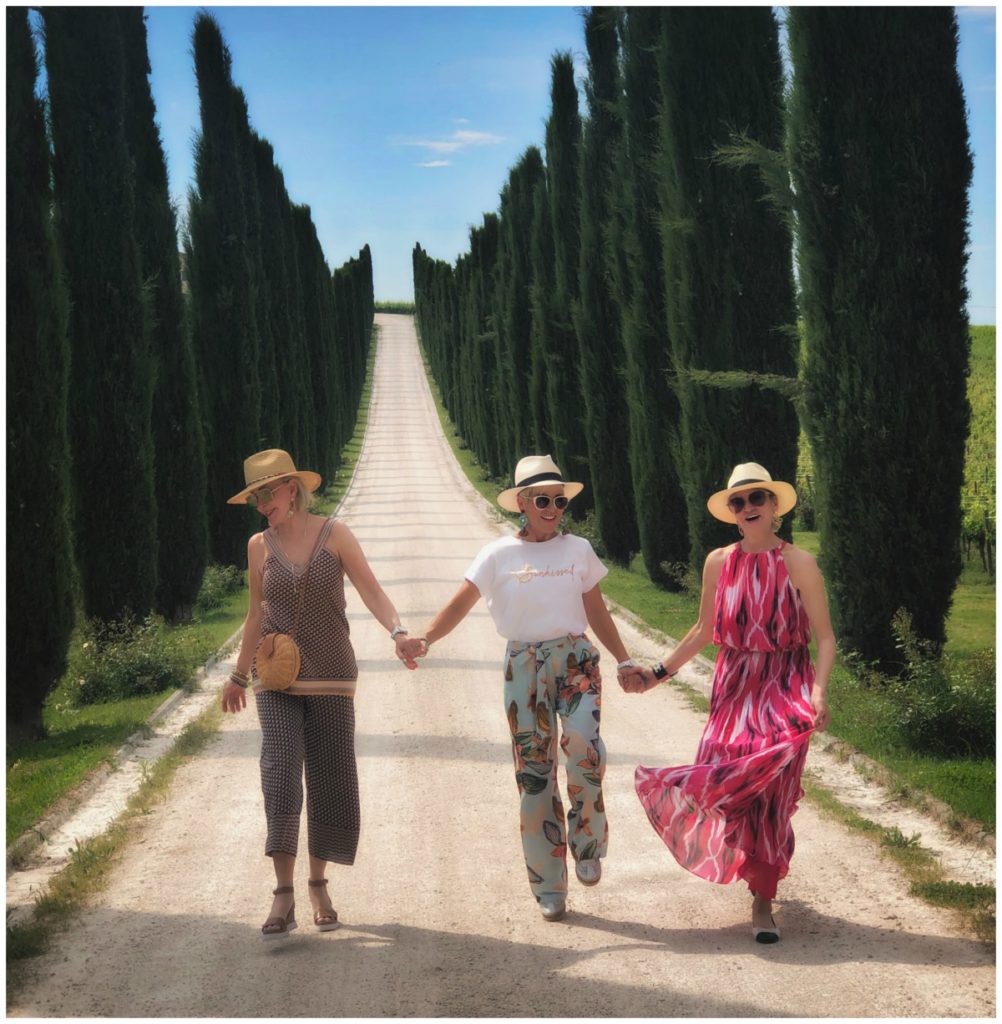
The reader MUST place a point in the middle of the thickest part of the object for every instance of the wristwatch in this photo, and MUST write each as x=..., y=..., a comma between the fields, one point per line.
x=397, y=631
x=660, y=672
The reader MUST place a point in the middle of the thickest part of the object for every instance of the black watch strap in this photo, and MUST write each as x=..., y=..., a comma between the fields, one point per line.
x=660, y=672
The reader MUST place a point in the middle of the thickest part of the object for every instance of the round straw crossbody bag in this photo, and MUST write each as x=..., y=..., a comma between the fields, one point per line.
x=277, y=658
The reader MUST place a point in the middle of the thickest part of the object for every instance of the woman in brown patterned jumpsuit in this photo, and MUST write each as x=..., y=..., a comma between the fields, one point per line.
x=303, y=558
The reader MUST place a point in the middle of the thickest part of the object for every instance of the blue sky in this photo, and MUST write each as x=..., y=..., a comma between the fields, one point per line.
x=399, y=124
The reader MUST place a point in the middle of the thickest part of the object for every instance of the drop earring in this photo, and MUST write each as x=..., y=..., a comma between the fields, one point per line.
x=523, y=522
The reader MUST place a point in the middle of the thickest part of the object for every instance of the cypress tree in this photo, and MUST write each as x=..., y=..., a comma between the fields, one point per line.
x=39, y=550
x=652, y=404
x=222, y=286
x=278, y=311
x=597, y=316
x=881, y=168
x=318, y=356
x=727, y=253
x=486, y=246
x=484, y=396
x=111, y=393
x=177, y=428
x=564, y=403
x=542, y=357
x=513, y=309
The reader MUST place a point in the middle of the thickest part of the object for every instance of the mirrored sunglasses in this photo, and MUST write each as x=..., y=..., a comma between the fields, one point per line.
x=755, y=498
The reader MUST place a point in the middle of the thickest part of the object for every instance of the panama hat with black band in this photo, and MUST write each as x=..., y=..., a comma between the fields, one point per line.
x=536, y=471
x=750, y=476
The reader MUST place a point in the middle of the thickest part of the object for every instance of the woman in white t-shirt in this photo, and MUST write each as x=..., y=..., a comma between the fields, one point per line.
x=542, y=590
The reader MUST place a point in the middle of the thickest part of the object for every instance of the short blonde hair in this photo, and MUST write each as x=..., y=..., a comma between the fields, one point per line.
x=303, y=498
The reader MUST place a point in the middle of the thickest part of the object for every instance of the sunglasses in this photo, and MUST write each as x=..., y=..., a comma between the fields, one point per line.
x=542, y=501
x=755, y=498
x=263, y=495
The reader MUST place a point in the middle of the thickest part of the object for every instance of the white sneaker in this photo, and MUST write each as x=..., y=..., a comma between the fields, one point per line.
x=553, y=908
x=589, y=872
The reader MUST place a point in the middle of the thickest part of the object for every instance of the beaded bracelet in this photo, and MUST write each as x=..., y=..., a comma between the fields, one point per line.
x=238, y=680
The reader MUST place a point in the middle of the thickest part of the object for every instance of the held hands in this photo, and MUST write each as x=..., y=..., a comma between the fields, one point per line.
x=634, y=678
x=637, y=679
x=409, y=649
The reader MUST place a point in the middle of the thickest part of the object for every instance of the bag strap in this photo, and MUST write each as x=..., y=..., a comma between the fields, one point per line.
x=300, y=597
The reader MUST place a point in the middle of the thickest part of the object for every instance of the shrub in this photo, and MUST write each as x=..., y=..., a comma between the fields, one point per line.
x=587, y=527
x=129, y=659
x=218, y=583
x=687, y=581
x=944, y=705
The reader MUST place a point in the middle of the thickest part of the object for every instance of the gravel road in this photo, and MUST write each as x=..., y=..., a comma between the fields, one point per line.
x=437, y=915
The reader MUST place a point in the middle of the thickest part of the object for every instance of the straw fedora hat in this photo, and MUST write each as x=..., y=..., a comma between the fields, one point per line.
x=750, y=476
x=536, y=471
x=266, y=466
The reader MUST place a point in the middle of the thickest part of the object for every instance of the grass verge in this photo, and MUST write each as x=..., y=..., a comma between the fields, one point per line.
x=81, y=739
x=328, y=501
x=974, y=903
x=91, y=862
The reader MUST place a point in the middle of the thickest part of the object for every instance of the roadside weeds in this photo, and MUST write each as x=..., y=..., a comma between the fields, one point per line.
x=89, y=869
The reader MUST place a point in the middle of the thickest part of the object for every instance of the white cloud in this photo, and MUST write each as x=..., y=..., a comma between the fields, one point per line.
x=436, y=163
x=468, y=138
x=462, y=138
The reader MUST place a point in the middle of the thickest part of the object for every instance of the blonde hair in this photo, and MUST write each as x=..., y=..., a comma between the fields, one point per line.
x=303, y=498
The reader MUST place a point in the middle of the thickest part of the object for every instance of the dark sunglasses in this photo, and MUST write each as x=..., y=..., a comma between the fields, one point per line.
x=263, y=495
x=542, y=501
x=755, y=498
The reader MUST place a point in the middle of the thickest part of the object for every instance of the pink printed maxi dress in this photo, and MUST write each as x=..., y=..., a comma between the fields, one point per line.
x=728, y=815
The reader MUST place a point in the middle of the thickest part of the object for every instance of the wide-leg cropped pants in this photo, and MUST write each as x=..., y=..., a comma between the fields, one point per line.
x=318, y=731
x=545, y=681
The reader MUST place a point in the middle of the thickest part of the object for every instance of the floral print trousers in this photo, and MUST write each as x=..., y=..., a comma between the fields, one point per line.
x=544, y=681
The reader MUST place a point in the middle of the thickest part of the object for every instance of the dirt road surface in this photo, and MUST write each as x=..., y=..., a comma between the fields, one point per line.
x=437, y=915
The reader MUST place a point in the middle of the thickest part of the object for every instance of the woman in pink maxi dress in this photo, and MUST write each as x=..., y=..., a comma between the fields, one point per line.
x=727, y=816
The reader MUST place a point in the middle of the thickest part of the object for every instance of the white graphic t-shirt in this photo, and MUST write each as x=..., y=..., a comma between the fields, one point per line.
x=533, y=591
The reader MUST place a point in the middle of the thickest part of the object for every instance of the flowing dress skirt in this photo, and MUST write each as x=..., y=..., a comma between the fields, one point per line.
x=728, y=815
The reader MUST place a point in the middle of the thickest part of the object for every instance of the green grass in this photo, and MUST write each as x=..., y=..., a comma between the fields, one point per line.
x=80, y=739
x=970, y=626
x=861, y=714
x=863, y=717
x=395, y=306
x=334, y=492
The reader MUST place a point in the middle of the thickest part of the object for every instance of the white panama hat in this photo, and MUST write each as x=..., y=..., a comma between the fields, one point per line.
x=750, y=476
x=536, y=471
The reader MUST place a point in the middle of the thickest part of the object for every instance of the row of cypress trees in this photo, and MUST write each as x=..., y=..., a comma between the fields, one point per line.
x=668, y=255
x=282, y=342
x=131, y=406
